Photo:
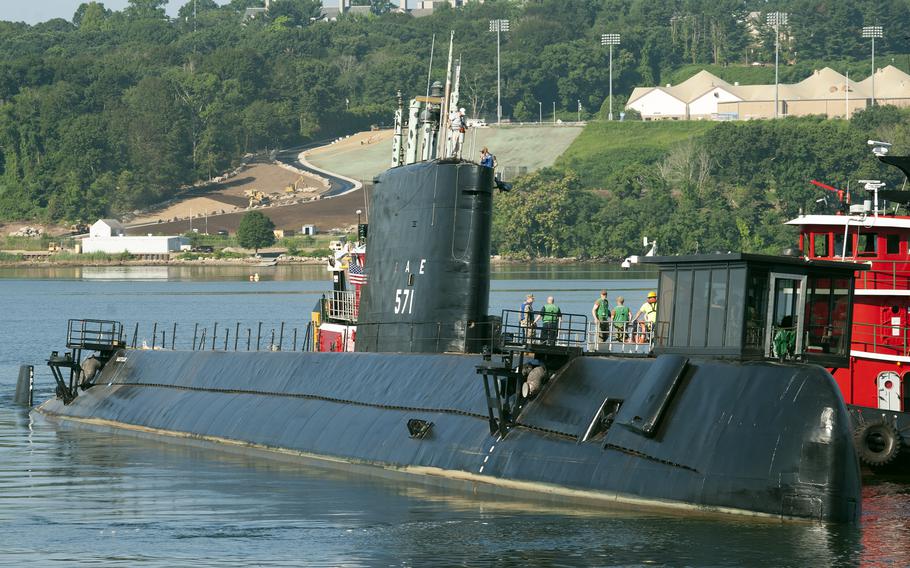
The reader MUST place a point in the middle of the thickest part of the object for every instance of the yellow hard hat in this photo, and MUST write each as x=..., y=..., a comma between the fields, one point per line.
x=652, y=294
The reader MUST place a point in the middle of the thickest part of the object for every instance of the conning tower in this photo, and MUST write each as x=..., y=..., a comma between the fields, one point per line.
x=429, y=248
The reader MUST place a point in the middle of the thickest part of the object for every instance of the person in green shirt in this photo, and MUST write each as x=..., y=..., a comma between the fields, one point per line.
x=601, y=314
x=551, y=316
x=621, y=315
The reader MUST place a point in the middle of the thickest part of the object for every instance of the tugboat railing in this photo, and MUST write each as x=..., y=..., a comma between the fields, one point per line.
x=881, y=338
x=884, y=275
x=341, y=305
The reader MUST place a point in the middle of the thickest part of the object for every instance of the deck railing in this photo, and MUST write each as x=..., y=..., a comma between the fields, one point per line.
x=886, y=275
x=570, y=331
x=624, y=337
x=341, y=306
x=881, y=338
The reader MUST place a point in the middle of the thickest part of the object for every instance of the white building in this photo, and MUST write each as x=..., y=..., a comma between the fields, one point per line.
x=109, y=236
x=826, y=93
x=106, y=228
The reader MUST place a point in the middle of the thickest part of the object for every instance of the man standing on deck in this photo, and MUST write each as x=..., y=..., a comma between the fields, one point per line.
x=649, y=311
x=551, y=316
x=601, y=314
x=528, y=322
x=456, y=131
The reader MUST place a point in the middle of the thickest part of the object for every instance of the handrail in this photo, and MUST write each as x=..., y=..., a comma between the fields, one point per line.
x=570, y=331
x=622, y=337
x=882, y=336
x=884, y=275
x=342, y=305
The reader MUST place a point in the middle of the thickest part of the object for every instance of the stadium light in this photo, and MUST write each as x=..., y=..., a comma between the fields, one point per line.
x=498, y=26
x=776, y=20
x=611, y=40
x=873, y=32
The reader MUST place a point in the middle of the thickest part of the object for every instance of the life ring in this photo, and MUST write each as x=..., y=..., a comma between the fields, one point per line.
x=877, y=443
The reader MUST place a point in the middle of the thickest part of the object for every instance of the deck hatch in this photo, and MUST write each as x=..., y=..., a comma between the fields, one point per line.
x=643, y=410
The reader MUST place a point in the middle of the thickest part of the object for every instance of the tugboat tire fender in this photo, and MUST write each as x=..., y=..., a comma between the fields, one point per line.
x=878, y=443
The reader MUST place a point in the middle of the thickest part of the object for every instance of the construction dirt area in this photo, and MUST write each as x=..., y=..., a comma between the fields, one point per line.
x=288, y=198
x=326, y=214
x=254, y=184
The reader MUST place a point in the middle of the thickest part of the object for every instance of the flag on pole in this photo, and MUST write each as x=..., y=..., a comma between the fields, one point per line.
x=356, y=274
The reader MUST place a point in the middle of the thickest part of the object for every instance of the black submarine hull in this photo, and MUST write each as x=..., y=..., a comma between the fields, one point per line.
x=747, y=438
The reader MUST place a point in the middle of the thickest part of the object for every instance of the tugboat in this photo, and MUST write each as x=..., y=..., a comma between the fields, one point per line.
x=876, y=383
x=409, y=374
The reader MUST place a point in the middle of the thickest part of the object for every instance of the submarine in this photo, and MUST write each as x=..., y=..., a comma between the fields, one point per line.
x=725, y=407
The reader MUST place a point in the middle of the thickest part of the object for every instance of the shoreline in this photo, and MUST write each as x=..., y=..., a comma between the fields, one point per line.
x=283, y=261
x=76, y=263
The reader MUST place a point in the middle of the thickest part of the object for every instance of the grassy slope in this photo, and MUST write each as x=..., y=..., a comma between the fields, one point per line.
x=607, y=147
x=530, y=147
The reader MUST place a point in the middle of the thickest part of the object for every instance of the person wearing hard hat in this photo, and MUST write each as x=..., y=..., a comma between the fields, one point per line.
x=648, y=313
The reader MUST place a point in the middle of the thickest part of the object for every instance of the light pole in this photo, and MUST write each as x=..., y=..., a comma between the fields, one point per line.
x=611, y=40
x=540, y=110
x=776, y=20
x=498, y=26
x=579, y=110
x=554, y=112
x=872, y=32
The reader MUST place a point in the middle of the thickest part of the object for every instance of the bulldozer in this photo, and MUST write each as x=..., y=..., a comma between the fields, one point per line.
x=256, y=197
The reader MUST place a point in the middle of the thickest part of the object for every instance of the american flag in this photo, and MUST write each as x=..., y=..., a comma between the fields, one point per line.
x=356, y=274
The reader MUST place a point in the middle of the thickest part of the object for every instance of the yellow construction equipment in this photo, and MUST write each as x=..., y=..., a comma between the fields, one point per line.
x=299, y=183
x=256, y=197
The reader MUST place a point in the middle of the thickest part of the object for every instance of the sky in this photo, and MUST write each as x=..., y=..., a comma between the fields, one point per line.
x=34, y=11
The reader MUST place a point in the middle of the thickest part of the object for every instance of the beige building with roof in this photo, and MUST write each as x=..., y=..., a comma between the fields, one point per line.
x=826, y=92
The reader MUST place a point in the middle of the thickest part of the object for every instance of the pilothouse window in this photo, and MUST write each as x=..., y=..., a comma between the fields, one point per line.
x=839, y=249
x=820, y=245
x=893, y=244
x=867, y=244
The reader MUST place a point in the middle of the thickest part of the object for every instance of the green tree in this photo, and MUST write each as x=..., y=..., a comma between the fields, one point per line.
x=146, y=9
x=256, y=231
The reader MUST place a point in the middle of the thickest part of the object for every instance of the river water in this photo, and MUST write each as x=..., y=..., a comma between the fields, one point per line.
x=71, y=496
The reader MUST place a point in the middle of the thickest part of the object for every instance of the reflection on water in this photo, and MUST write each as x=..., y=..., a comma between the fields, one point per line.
x=77, y=496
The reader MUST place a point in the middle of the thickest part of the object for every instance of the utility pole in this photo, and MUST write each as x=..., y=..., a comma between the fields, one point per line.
x=872, y=32
x=611, y=40
x=498, y=26
x=540, y=110
x=776, y=20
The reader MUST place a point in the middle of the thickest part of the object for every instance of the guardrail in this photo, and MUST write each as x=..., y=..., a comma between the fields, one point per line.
x=569, y=331
x=884, y=276
x=342, y=306
x=882, y=338
x=621, y=337
x=92, y=334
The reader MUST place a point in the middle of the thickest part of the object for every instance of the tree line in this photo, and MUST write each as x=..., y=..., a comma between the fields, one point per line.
x=110, y=111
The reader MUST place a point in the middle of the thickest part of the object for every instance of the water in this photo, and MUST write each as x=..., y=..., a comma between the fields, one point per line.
x=72, y=496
